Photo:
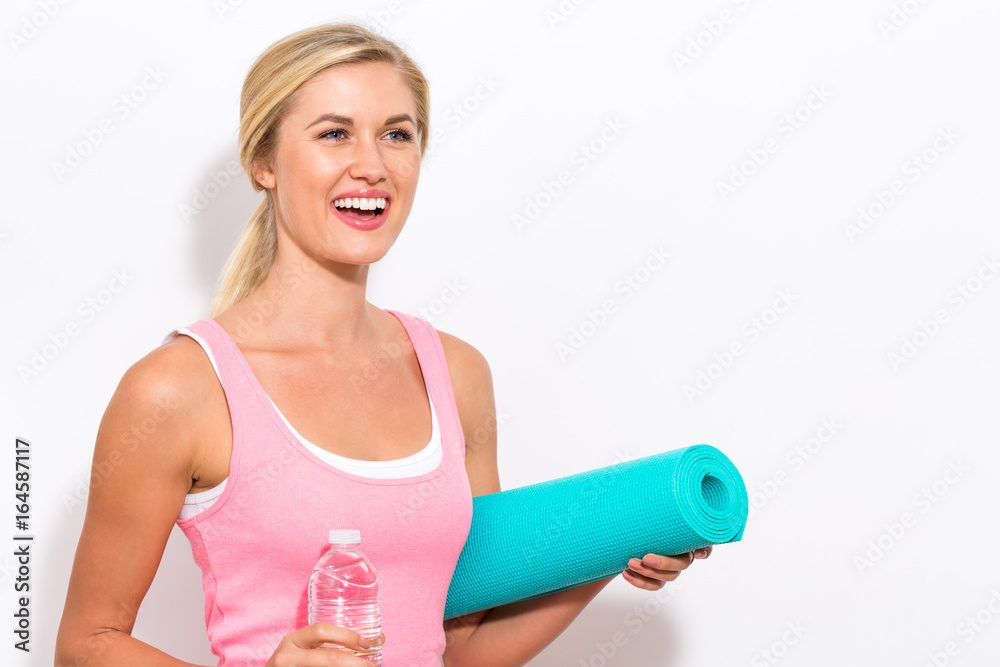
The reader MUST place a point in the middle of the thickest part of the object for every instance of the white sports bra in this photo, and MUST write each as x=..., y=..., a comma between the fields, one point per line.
x=426, y=460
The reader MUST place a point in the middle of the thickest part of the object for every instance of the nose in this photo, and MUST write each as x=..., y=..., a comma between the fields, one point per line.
x=367, y=163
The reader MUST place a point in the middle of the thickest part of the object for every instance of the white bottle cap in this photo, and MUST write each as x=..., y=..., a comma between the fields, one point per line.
x=345, y=537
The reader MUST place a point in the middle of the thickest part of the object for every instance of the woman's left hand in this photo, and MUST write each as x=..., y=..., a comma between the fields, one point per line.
x=653, y=570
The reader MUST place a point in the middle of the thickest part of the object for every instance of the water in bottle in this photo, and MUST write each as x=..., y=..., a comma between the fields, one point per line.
x=344, y=590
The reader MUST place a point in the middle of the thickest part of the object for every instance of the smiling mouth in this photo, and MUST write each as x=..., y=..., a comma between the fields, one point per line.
x=361, y=208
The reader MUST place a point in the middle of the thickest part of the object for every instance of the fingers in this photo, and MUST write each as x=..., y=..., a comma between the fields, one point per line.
x=322, y=632
x=644, y=582
x=667, y=563
x=652, y=571
x=321, y=644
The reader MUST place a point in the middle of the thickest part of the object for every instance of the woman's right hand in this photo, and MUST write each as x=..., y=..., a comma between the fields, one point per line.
x=317, y=645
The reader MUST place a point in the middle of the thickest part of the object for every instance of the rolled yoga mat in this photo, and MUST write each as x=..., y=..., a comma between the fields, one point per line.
x=543, y=538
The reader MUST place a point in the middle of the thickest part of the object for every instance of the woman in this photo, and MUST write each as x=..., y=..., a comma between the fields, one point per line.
x=299, y=406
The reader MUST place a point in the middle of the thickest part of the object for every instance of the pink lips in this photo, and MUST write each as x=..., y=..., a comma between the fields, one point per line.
x=368, y=193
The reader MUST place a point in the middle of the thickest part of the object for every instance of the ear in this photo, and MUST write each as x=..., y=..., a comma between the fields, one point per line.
x=263, y=175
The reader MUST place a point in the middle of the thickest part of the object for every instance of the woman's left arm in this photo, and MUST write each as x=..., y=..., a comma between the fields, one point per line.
x=512, y=634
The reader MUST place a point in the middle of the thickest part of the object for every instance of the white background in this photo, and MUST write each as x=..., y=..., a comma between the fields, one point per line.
x=857, y=293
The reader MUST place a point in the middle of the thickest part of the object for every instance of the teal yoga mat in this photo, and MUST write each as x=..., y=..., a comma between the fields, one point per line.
x=543, y=538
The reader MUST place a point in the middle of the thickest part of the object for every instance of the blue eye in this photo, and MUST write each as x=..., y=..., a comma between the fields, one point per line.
x=403, y=133
x=404, y=136
x=328, y=132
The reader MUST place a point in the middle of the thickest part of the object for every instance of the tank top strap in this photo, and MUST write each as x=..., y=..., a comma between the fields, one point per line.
x=433, y=364
x=237, y=384
x=227, y=359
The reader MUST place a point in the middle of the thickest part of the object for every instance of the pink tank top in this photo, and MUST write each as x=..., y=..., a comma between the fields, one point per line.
x=257, y=544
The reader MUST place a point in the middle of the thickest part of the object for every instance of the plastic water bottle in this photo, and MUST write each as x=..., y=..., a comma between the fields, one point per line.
x=344, y=590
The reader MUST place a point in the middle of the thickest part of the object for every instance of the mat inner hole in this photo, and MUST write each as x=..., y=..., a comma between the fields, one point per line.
x=714, y=492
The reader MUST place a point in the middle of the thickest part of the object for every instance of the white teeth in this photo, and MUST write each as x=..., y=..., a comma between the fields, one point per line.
x=363, y=203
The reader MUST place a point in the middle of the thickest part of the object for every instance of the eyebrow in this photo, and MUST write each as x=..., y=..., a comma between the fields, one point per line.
x=344, y=120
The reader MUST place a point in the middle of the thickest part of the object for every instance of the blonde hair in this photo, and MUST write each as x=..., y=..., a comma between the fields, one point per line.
x=265, y=99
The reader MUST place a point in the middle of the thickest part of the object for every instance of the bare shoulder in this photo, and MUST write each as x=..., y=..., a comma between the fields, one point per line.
x=176, y=372
x=467, y=366
x=166, y=400
x=142, y=468
x=167, y=365
x=472, y=383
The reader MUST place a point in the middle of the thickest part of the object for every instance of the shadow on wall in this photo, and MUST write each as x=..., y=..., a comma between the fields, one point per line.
x=172, y=617
x=610, y=632
x=217, y=207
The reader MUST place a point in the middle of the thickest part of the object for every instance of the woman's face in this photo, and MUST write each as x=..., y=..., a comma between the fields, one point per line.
x=350, y=135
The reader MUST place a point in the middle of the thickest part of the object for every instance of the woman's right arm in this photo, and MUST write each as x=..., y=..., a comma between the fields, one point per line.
x=145, y=458
x=144, y=461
